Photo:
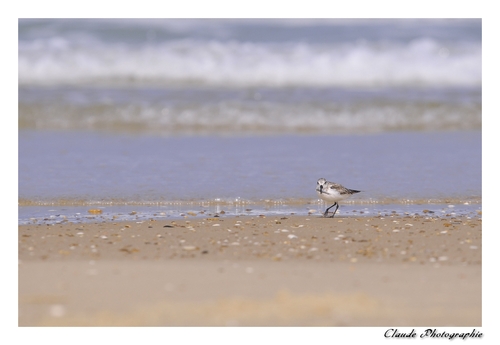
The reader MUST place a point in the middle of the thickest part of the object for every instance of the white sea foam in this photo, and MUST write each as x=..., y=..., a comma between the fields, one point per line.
x=420, y=62
x=260, y=118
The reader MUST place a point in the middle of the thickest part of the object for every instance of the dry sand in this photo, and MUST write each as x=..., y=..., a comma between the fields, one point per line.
x=253, y=271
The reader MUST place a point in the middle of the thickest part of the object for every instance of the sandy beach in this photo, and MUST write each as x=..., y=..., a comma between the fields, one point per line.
x=253, y=271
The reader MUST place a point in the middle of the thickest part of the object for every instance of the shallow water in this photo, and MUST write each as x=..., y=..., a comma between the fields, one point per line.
x=80, y=214
x=91, y=168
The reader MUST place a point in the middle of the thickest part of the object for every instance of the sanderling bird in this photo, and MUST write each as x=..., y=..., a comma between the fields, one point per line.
x=330, y=191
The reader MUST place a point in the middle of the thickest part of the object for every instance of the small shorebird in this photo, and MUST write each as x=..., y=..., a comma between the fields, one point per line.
x=330, y=191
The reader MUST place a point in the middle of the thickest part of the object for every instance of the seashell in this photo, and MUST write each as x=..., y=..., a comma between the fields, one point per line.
x=95, y=211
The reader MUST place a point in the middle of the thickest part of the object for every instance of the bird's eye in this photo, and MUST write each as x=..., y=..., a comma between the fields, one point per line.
x=331, y=187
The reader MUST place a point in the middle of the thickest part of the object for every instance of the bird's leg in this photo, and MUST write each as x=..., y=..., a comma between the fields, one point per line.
x=335, y=210
x=326, y=212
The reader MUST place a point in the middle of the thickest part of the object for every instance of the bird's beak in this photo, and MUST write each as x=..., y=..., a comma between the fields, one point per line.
x=321, y=189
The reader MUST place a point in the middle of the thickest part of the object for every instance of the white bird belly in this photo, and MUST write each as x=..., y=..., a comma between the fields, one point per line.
x=332, y=195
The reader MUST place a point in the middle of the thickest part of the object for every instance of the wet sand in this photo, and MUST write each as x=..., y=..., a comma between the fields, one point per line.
x=253, y=271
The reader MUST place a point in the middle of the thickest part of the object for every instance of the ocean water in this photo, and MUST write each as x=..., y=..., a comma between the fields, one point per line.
x=162, y=118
